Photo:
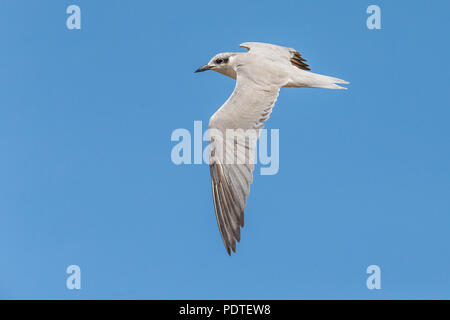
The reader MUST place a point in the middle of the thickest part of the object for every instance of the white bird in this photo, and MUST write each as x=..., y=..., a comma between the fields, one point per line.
x=259, y=73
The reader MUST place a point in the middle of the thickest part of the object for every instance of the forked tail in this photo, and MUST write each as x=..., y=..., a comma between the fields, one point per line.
x=306, y=79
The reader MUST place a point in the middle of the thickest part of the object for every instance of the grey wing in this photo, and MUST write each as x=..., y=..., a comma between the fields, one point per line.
x=291, y=61
x=232, y=154
x=288, y=56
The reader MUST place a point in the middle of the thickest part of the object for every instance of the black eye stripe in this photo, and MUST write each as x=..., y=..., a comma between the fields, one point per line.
x=220, y=60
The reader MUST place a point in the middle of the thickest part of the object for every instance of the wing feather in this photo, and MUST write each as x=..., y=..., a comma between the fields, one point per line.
x=248, y=107
x=278, y=53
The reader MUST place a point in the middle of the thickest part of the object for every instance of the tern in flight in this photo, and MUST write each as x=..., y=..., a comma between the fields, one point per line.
x=259, y=73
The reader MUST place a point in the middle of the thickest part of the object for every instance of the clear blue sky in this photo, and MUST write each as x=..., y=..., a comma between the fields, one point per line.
x=86, y=177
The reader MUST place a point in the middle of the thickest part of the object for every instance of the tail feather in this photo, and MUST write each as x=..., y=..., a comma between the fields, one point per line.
x=306, y=79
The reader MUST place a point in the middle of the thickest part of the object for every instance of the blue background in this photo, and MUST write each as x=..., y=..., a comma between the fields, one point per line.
x=86, y=177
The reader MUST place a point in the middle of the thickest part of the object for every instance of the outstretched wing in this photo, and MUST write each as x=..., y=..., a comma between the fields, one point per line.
x=292, y=62
x=234, y=130
x=277, y=53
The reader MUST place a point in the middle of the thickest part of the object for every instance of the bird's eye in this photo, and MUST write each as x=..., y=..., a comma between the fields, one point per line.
x=219, y=61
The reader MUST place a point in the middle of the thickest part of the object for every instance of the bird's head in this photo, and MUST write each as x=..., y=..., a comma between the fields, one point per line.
x=222, y=63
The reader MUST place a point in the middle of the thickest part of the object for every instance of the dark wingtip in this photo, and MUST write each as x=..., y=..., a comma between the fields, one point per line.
x=298, y=61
